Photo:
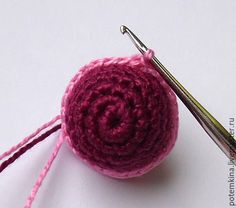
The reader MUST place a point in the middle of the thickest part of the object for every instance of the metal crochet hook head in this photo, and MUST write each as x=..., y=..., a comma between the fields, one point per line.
x=214, y=129
x=138, y=43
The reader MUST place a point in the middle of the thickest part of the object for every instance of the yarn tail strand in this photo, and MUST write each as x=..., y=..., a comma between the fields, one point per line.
x=44, y=173
x=30, y=137
x=28, y=146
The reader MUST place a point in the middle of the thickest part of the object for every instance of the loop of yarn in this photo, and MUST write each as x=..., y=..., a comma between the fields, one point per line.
x=120, y=116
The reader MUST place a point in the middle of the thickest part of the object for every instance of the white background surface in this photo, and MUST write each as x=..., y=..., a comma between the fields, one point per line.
x=43, y=43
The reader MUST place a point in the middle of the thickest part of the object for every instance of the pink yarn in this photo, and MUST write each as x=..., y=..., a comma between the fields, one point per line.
x=49, y=163
x=120, y=116
x=43, y=173
x=29, y=138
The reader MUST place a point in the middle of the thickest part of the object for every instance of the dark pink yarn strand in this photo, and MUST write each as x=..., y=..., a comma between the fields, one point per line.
x=28, y=146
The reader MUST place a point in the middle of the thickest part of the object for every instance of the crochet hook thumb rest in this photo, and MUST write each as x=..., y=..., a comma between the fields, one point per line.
x=214, y=129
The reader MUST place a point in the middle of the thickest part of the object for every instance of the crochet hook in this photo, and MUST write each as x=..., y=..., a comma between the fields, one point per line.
x=214, y=129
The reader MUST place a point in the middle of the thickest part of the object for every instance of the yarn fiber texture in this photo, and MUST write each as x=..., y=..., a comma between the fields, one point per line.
x=120, y=116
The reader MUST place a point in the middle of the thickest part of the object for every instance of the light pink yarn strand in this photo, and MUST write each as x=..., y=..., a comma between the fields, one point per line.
x=30, y=137
x=44, y=173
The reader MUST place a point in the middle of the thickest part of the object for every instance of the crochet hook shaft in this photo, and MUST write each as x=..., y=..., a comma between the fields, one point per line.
x=214, y=129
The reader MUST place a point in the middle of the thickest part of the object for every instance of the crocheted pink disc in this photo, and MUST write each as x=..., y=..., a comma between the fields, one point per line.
x=120, y=116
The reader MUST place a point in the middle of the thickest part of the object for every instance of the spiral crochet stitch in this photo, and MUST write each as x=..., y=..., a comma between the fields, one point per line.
x=120, y=116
